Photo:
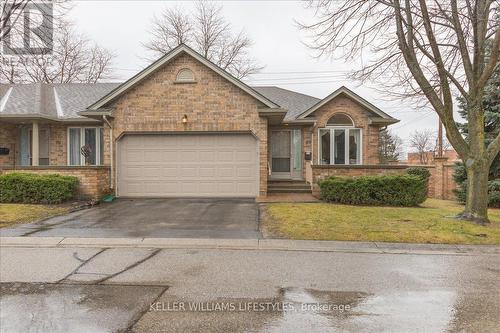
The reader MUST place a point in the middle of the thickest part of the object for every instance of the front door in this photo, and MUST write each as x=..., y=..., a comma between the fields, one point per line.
x=286, y=154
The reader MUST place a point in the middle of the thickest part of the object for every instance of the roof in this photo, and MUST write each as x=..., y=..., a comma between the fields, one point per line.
x=64, y=101
x=52, y=101
x=346, y=91
x=181, y=49
x=295, y=103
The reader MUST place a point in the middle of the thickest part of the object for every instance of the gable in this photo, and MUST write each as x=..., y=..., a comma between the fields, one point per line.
x=165, y=60
x=344, y=93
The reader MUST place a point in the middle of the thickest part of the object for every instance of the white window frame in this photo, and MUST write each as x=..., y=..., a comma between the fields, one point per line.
x=347, y=130
x=82, y=143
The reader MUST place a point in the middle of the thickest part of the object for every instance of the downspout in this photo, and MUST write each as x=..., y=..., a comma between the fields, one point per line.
x=111, y=153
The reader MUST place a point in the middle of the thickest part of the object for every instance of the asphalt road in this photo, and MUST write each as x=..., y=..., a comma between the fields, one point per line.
x=152, y=290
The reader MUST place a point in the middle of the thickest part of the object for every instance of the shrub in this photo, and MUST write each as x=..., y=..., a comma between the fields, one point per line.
x=424, y=173
x=394, y=190
x=33, y=188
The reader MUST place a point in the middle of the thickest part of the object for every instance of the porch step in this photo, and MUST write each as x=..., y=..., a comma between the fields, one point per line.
x=288, y=186
x=288, y=190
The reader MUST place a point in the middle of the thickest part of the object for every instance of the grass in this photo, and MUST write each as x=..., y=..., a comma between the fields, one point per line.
x=11, y=214
x=432, y=222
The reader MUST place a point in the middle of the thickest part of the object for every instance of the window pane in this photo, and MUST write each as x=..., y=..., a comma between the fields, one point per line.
x=340, y=120
x=339, y=146
x=90, y=142
x=280, y=151
x=101, y=137
x=354, y=146
x=74, y=146
x=325, y=147
x=281, y=164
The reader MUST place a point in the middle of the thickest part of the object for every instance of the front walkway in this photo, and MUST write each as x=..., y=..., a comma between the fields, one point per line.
x=287, y=197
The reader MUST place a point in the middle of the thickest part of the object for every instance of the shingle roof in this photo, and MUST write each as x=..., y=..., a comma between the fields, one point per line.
x=57, y=101
x=64, y=101
x=295, y=103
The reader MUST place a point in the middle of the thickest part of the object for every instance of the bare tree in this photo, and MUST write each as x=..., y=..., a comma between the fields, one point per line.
x=208, y=33
x=74, y=59
x=172, y=28
x=10, y=12
x=390, y=146
x=433, y=49
x=424, y=144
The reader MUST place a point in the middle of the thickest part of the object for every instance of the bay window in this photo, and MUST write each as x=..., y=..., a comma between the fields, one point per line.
x=340, y=142
x=92, y=138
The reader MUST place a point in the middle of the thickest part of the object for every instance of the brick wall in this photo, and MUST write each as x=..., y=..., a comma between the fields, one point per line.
x=8, y=138
x=360, y=116
x=212, y=103
x=441, y=182
x=94, y=180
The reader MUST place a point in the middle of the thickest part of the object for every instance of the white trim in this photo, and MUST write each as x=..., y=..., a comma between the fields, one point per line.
x=166, y=58
x=3, y=101
x=352, y=95
x=82, y=143
x=347, y=130
x=59, y=109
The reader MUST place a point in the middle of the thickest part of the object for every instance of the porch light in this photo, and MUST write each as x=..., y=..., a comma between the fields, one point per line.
x=185, y=119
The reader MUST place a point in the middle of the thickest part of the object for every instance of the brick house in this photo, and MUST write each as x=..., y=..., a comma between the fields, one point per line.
x=185, y=127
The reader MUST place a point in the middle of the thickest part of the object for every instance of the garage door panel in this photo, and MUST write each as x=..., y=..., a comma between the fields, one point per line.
x=225, y=156
x=227, y=188
x=207, y=172
x=207, y=156
x=188, y=165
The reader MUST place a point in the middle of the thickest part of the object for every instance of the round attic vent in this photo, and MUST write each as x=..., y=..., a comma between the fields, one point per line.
x=185, y=75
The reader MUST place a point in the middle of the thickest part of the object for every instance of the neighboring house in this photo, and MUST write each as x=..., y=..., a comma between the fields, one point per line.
x=417, y=158
x=185, y=127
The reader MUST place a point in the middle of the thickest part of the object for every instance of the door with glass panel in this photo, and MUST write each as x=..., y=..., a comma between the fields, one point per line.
x=286, y=154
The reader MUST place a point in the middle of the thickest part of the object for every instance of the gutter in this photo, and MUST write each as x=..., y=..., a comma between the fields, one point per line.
x=111, y=153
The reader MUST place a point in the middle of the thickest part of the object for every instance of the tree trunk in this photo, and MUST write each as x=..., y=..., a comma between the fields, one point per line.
x=476, y=205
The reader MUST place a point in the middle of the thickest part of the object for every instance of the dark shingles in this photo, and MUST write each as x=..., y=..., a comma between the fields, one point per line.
x=45, y=99
x=295, y=103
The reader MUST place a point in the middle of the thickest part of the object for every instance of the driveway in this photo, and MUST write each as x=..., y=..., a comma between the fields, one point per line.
x=192, y=218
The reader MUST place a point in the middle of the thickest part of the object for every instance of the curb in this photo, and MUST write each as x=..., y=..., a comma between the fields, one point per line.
x=252, y=244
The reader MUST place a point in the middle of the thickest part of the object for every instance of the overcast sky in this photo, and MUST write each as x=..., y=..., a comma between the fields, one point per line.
x=123, y=26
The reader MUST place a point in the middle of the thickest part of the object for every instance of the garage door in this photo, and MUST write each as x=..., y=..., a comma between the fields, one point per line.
x=211, y=165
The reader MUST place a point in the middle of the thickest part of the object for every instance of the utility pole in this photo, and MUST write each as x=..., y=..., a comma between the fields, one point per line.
x=440, y=139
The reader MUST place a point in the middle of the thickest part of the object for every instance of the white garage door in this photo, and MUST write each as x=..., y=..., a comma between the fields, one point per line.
x=211, y=165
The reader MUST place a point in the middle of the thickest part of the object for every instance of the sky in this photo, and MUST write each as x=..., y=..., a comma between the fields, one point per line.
x=123, y=27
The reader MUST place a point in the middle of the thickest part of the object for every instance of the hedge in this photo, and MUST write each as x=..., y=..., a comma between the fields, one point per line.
x=390, y=190
x=424, y=173
x=33, y=188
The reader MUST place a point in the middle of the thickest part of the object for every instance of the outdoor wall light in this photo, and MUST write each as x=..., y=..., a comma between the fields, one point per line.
x=185, y=119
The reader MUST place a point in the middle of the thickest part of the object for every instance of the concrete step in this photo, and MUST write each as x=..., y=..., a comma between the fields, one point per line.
x=290, y=186
x=288, y=190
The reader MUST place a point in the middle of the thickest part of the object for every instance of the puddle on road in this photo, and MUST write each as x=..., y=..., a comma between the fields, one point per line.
x=52, y=308
x=310, y=310
x=109, y=308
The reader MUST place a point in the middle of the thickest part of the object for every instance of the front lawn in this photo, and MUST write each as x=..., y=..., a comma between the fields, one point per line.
x=431, y=223
x=11, y=214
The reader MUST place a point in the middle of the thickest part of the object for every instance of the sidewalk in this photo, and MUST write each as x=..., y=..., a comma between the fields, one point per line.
x=251, y=244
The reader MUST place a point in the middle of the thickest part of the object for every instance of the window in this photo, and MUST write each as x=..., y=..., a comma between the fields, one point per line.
x=340, y=119
x=340, y=142
x=92, y=138
x=185, y=75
